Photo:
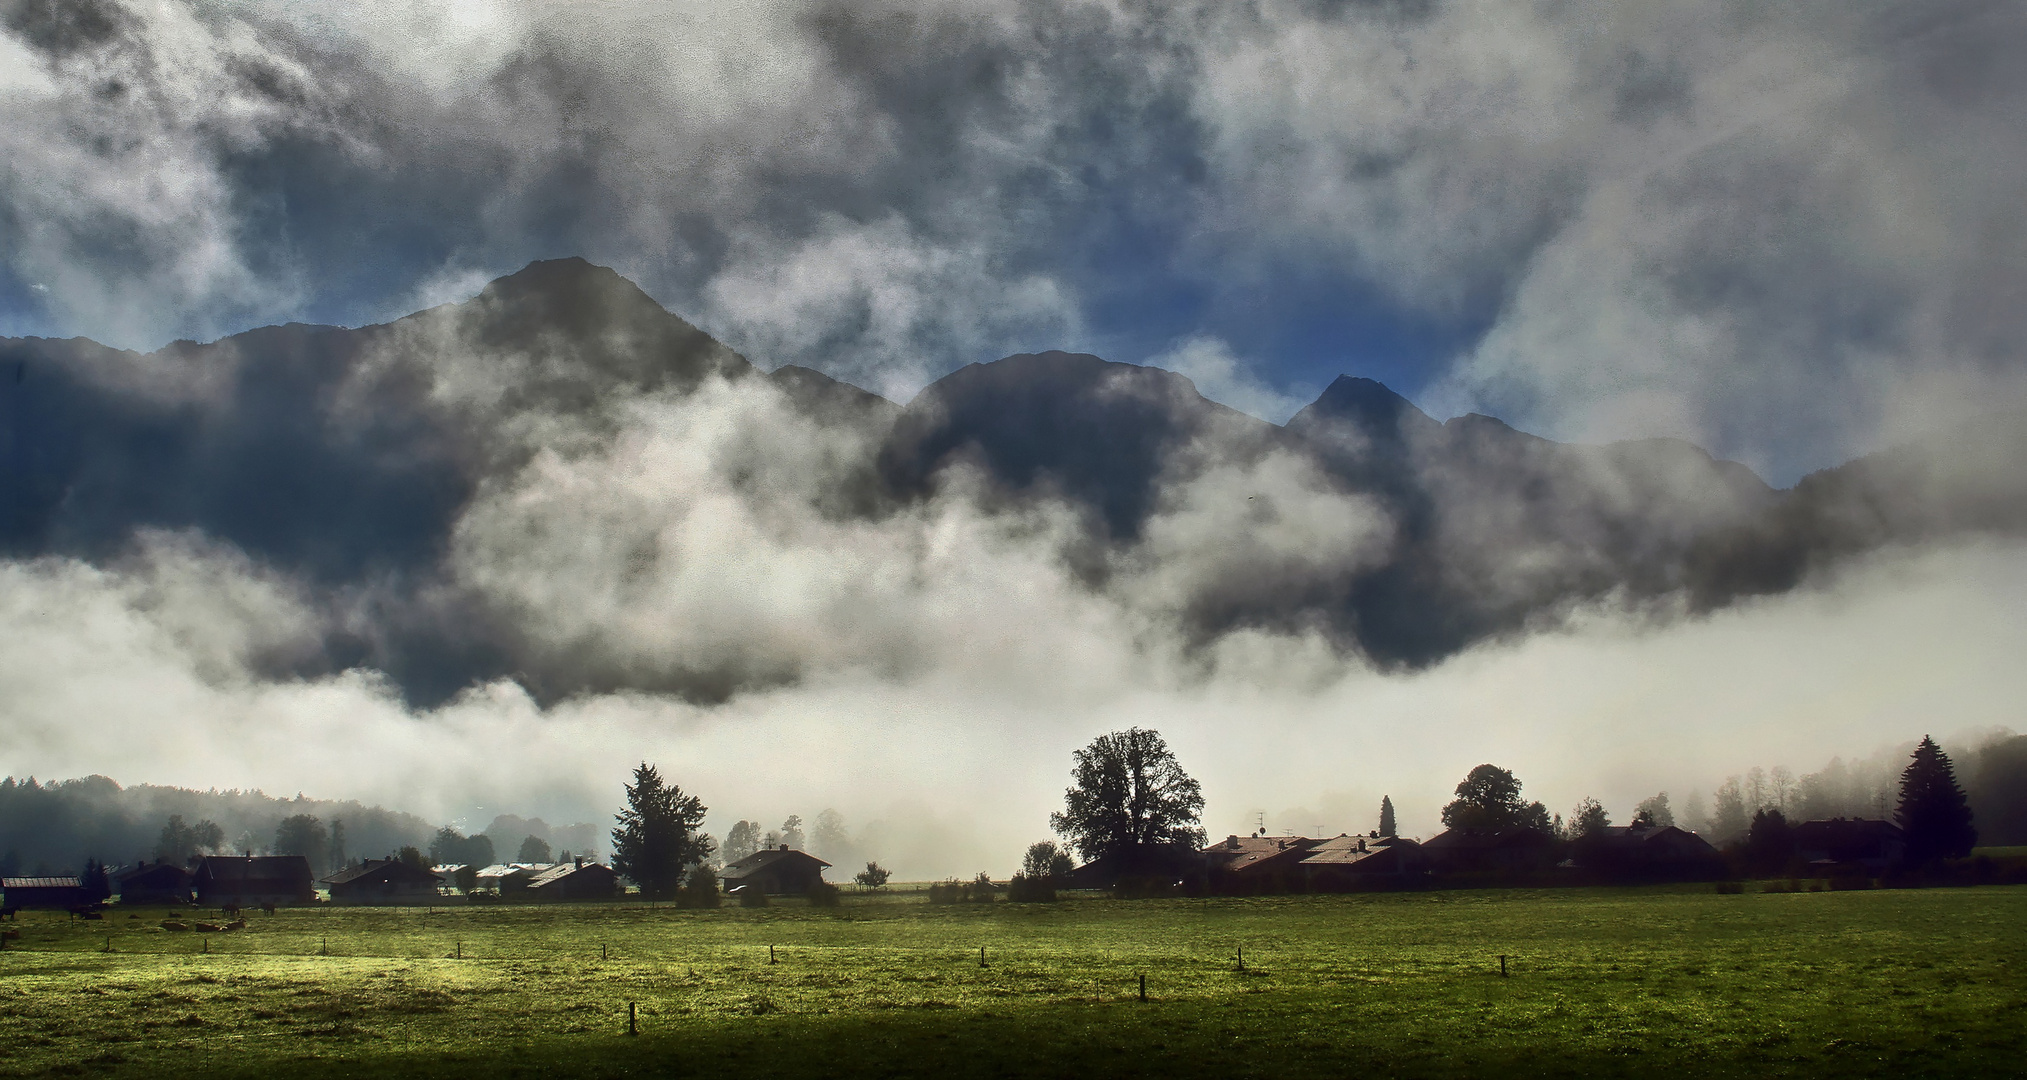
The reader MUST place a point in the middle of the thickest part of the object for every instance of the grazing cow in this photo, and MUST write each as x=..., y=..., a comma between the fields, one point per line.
x=230, y=911
x=269, y=908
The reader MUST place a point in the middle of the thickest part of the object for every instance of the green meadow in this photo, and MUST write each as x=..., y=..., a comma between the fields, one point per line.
x=1666, y=981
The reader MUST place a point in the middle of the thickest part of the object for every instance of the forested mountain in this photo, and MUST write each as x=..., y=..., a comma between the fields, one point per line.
x=372, y=473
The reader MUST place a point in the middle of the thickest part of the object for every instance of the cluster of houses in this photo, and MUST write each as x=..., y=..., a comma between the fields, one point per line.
x=1236, y=863
x=1262, y=863
x=225, y=881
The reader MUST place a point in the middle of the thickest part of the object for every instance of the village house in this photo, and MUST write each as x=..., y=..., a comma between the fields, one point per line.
x=382, y=881
x=1511, y=850
x=579, y=879
x=775, y=871
x=153, y=883
x=1862, y=845
x=1352, y=862
x=508, y=879
x=251, y=880
x=1258, y=863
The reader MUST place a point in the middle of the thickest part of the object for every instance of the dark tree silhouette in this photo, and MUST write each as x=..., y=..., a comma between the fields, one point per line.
x=1386, y=816
x=1489, y=798
x=1770, y=842
x=179, y=843
x=1046, y=860
x=413, y=858
x=1129, y=796
x=534, y=849
x=1933, y=811
x=874, y=876
x=336, y=851
x=658, y=838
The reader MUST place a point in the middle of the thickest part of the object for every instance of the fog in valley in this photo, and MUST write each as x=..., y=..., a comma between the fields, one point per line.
x=473, y=564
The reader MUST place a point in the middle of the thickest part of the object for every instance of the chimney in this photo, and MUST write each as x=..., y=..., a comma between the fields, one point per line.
x=784, y=847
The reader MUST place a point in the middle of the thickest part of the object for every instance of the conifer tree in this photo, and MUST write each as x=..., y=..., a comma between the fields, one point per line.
x=1386, y=815
x=658, y=838
x=1933, y=811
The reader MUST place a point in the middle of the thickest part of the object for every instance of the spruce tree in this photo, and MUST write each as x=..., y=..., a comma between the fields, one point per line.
x=658, y=838
x=1386, y=815
x=1933, y=812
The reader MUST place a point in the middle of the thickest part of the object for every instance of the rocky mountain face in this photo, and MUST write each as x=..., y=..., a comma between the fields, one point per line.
x=349, y=462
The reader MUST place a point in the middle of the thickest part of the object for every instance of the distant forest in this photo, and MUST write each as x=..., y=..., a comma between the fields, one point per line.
x=1993, y=775
x=52, y=828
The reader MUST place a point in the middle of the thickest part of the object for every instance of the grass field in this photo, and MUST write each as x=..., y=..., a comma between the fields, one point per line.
x=1677, y=982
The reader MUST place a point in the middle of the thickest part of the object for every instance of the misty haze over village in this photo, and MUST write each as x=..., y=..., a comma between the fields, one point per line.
x=439, y=410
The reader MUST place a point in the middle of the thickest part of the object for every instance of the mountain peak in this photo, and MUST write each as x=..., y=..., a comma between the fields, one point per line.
x=1365, y=404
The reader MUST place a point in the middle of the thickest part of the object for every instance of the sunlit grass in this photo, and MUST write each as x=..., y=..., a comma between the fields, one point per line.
x=1684, y=981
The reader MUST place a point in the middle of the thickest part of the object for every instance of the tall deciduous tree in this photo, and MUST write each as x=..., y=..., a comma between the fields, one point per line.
x=1489, y=797
x=658, y=838
x=1933, y=811
x=534, y=849
x=1386, y=816
x=1129, y=795
x=742, y=840
x=1654, y=811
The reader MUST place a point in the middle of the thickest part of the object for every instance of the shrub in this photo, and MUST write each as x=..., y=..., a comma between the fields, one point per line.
x=700, y=890
x=1031, y=890
x=752, y=896
x=823, y=894
x=874, y=876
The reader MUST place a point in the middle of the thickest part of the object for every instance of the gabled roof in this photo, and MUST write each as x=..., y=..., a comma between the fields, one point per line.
x=1237, y=854
x=382, y=870
x=40, y=883
x=145, y=870
x=760, y=860
x=559, y=871
x=1481, y=839
x=290, y=868
x=1346, y=850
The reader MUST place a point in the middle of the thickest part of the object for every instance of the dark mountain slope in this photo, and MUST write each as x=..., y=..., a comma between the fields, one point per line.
x=1100, y=434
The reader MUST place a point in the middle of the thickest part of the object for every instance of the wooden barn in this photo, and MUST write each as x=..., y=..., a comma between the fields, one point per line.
x=580, y=879
x=1648, y=852
x=153, y=883
x=776, y=871
x=382, y=881
x=243, y=881
x=61, y=893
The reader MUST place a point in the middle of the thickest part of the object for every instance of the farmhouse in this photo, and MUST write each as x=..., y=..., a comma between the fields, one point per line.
x=1863, y=844
x=239, y=881
x=43, y=892
x=579, y=879
x=1513, y=849
x=1349, y=862
x=508, y=879
x=153, y=883
x=776, y=870
x=1258, y=863
x=1648, y=851
x=382, y=881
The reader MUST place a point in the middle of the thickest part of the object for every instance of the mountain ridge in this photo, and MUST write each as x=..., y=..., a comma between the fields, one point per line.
x=351, y=455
